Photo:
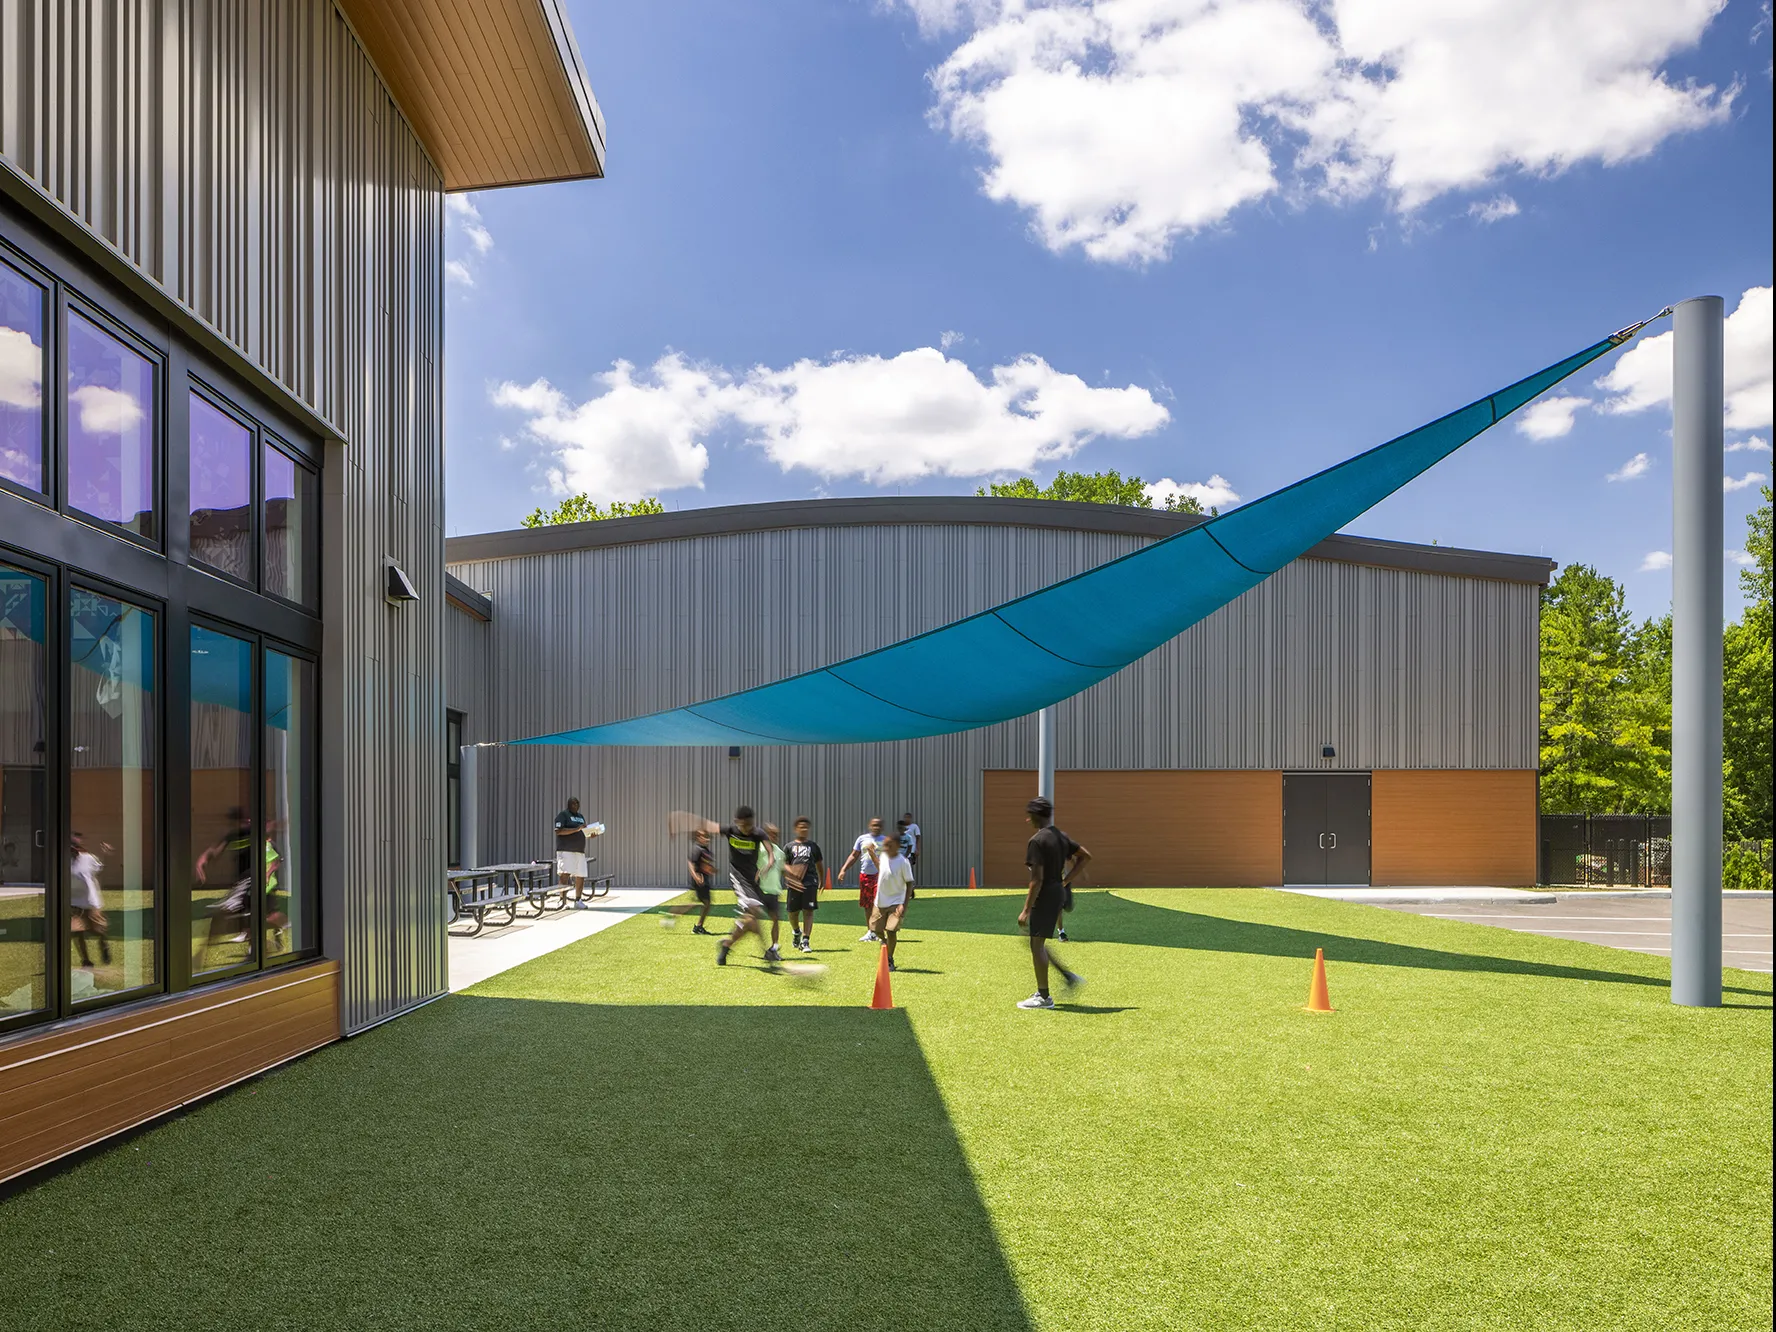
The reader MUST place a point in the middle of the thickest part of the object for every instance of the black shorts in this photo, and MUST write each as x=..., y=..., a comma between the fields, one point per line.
x=702, y=891
x=1045, y=915
x=803, y=899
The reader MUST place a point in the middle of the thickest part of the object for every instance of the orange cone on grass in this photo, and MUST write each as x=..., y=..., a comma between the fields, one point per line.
x=971, y=877
x=884, y=995
x=1317, y=999
x=829, y=880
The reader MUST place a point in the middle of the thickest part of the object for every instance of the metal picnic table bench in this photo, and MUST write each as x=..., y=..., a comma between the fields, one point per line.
x=473, y=894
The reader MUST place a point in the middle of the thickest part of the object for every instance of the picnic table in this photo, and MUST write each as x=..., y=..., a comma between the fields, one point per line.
x=475, y=894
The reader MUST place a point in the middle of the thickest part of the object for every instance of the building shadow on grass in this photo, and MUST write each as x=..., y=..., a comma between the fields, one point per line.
x=490, y=1162
x=1105, y=917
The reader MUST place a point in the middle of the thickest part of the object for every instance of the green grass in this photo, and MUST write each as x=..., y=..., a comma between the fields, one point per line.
x=1493, y=1130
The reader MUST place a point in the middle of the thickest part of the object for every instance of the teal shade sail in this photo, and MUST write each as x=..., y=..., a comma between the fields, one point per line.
x=1048, y=645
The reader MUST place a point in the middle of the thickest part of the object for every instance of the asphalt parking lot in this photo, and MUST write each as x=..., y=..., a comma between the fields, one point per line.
x=1640, y=925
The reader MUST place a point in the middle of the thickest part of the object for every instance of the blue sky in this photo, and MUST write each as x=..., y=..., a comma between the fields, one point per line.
x=854, y=248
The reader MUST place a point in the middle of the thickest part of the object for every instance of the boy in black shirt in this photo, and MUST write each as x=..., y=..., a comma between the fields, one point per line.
x=746, y=852
x=702, y=867
x=1053, y=859
x=805, y=868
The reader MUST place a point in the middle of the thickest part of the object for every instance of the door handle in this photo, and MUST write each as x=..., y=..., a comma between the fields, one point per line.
x=37, y=839
x=1334, y=837
x=1322, y=841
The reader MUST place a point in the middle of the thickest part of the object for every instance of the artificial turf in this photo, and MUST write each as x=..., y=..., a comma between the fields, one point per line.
x=1494, y=1129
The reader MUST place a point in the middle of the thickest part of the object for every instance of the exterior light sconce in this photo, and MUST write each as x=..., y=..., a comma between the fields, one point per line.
x=1326, y=751
x=733, y=751
x=397, y=586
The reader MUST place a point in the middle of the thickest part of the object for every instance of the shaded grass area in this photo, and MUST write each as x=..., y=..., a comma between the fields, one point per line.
x=1493, y=1130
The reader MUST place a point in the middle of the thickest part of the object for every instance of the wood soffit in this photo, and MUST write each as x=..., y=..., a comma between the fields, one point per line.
x=494, y=89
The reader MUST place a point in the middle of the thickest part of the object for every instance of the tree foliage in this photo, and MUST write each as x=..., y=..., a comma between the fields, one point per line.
x=1090, y=488
x=582, y=509
x=1746, y=743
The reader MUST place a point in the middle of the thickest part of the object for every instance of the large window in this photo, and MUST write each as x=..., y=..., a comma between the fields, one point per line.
x=158, y=692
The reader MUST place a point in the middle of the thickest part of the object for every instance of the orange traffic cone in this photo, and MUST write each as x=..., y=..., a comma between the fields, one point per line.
x=971, y=876
x=829, y=881
x=1317, y=1000
x=884, y=995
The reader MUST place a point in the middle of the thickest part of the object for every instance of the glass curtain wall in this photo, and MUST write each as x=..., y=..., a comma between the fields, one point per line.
x=288, y=760
x=22, y=302
x=25, y=850
x=224, y=874
x=111, y=418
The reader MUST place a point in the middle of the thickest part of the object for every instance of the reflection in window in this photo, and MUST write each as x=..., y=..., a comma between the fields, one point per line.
x=21, y=379
x=289, y=504
x=110, y=428
x=223, y=877
x=24, y=823
x=111, y=789
x=221, y=490
x=289, y=819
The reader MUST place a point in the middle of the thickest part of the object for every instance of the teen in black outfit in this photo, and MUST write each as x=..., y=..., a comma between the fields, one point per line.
x=1053, y=859
x=702, y=867
x=805, y=868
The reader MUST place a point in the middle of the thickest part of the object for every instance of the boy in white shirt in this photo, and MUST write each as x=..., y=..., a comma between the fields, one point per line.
x=894, y=880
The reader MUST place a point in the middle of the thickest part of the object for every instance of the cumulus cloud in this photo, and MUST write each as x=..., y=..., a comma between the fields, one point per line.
x=1121, y=125
x=1215, y=493
x=1636, y=466
x=1750, y=479
x=106, y=411
x=1641, y=378
x=1550, y=418
x=1743, y=559
x=881, y=419
x=455, y=270
x=1655, y=560
x=1495, y=209
x=21, y=369
x=1755, y=444
x=467, y=219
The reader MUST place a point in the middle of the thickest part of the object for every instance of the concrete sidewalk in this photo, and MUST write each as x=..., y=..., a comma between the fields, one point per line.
x=500, y=949
x=1392, y=896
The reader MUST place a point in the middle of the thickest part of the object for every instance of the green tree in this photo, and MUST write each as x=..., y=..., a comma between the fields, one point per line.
x=1746, y=709
x=581, y=509
x=1605, y=709
x=1091, y=488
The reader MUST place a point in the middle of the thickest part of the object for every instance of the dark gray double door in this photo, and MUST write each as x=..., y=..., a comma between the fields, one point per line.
x=1325, y=828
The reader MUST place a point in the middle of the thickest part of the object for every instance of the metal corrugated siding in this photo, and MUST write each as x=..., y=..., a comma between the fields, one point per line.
x=245, y=157
x=1395, y=668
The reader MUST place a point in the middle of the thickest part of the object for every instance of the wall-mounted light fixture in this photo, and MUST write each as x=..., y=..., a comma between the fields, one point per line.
x=1326, y=751
x=397, y=586
x=733, y=751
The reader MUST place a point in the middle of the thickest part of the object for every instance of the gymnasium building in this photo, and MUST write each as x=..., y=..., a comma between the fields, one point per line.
x=1366, y=716
x=222, y=611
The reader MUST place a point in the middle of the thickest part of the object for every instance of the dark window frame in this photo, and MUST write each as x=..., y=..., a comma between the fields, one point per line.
x=198, y=386
x=310, y=602
x=71, y=301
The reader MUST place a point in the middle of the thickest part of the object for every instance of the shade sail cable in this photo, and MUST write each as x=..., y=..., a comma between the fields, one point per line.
x=1047, y=645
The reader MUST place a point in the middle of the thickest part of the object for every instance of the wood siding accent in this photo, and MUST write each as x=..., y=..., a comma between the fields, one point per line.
x=1446, y=828
x=89, y=1078
x=1152, y=829
x=494, y=88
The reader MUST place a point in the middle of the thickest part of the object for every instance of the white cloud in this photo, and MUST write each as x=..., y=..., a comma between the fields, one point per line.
x=21, y=369
x=1655, y=560
x=106, y=411
x=883, y=419
x=1741, y=558
x=1641, y=378
x=1495, y=209
x=1732, y=483
x=455, y=270
x=948, y=338
x=1550, y=418
x=1638, y=465
x=1215, y=493
x=1756, y=444
x=462, y=211
x=1121, y=125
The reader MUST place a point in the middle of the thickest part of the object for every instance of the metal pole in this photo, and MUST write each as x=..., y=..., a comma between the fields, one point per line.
x=1697, y=406
x=468, y=807
x=1045, y=752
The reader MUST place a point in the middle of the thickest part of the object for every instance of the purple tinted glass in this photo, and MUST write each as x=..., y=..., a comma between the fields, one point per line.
x=21, y=379
x=110, y=428
x=221, y=490
x=289, y=500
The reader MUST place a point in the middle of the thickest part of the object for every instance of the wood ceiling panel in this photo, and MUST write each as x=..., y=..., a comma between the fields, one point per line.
x=494, y=89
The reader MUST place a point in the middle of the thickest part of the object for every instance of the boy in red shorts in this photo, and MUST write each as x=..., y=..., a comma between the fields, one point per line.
x=866, y=850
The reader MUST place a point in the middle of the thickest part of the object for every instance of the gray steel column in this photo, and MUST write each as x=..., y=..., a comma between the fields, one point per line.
x=1697, y=406
x=468, y=806
x=1045, y=752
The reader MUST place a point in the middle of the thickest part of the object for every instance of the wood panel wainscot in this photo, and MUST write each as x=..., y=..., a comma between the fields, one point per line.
x=1469, y=827
x=78, y=1082
x=1145, y=828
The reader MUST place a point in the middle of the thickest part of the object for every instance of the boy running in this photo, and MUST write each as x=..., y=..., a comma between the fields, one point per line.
x=749, y=852
x=894, y=883
x=702, y=867
x=1053, y=859
x=805, y=864
x=865, y=850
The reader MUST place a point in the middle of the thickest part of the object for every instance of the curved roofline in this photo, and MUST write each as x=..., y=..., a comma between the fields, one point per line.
x=961, y=510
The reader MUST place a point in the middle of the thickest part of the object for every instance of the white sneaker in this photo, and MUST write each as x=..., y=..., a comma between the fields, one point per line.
x=868, y=936
x=1036, y=1001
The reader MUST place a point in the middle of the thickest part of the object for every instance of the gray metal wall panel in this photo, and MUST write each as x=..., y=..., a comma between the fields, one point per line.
x=1394, y=668
x=244, y=156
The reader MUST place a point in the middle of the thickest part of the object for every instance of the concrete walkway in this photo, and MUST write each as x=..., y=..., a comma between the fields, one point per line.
x=1391, y=896
x=500, y=949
